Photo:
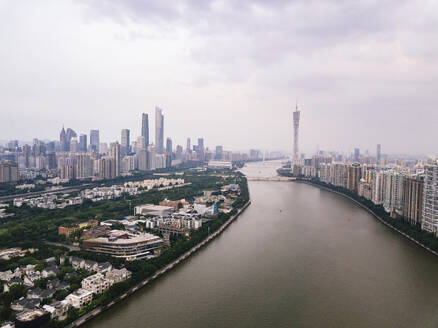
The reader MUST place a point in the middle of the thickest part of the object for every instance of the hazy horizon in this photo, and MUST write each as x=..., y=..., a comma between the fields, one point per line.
x=363, y=73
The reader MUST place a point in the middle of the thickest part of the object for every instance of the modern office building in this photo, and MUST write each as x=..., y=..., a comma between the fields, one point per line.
x=219, y=153
x=179, y=151
x=378, y=154
x=200, y=149
x=142, y=159
x=123, y=244
x=296, y=120
x=74, y=145
x=159, y=130
x=115, y=153
x=63, y=140
x=356, y=155
x=188, y=145
x=94, y=140
x=83, y=143
x=169, y=146
x=150, y=209
x=145, y=128
x=430, y=199
x=124, y=144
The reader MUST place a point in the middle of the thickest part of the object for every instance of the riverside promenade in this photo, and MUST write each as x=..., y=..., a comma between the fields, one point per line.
x=98, y=310
x=372, y=213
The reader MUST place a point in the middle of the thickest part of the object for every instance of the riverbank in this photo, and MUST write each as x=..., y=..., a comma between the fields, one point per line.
x=372, y=213
x=88, y=316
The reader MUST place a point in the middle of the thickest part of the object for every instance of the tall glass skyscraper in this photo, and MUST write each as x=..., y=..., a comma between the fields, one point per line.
x=125, y=142
x=94, y=140
x=159, y=130
x=296, y=117
x=145, y=128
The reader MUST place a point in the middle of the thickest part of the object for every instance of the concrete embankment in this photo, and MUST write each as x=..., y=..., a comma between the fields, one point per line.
x=372, y=213
x=90, y=315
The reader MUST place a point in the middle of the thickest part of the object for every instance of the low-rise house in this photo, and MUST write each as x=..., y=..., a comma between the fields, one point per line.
x=28, y=269
x=58, y=310
x=7, y=254
x=56, y=284
x=30, y=279
x=70, y=275
x=31, y=318
x=104, y=267
x=62, y=259
x=50, y=260
x=79, y=298
x=96, y=283
x=77, y=263
x=25, y=304
x=13, y=281
x=7, y=324
x=40, y=294
x=51, y=271
x=8, y=275
x=91, y=265
x=115, y=276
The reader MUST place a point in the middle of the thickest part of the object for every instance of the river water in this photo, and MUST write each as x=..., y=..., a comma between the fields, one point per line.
x=297, y=257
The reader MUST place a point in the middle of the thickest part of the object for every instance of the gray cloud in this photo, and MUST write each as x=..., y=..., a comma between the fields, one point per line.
x=357, y=67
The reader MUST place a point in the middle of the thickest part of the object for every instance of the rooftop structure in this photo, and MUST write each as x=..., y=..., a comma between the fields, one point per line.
x=123, y=244
x=150, y=209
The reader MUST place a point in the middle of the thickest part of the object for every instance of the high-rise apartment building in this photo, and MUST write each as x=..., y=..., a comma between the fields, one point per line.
x=430, y=199
x=145, y=128
x=392, y=191
x=94, y=140
x=354, y=174
x=159, y=130
x=8, y=172
x=413, y=200
x=84, y=166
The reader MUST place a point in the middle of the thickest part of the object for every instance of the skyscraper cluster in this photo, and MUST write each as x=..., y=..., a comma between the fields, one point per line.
x=74, y=157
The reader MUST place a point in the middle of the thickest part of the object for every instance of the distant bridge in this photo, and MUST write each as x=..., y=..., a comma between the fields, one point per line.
x=271, y=178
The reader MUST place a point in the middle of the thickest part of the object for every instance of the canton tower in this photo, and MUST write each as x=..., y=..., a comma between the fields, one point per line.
x=296, y=117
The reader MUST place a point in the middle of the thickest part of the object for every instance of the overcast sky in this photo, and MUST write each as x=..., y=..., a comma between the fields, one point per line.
x=364, y=72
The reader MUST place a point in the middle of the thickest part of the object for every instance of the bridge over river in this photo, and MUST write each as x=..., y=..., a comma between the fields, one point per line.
x=269, y=178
